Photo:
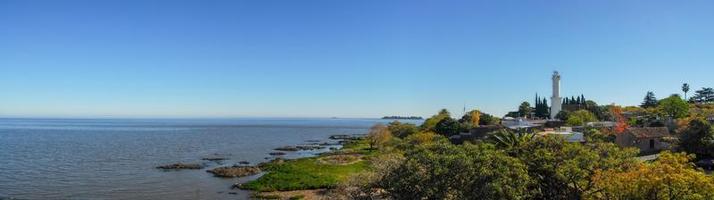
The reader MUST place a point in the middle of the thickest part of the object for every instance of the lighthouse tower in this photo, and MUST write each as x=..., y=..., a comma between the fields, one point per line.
x=556, y=101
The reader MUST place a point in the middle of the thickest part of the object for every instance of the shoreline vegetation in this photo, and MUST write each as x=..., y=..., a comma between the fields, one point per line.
x=312, y=177
x=406, y=161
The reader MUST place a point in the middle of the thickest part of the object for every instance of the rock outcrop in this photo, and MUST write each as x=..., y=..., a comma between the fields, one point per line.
x=234, y=171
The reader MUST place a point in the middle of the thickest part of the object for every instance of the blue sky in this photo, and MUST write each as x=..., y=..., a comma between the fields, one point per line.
x=341, y=58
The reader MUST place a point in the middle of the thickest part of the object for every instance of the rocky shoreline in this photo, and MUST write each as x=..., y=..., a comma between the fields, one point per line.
x=235, y=171
x=245, y=169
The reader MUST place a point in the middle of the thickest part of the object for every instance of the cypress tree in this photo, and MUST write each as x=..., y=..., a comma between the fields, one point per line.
x=546, y=111
x=578, y=101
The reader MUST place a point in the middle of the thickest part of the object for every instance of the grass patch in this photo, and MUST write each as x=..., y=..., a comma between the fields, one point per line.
x=303, y=174
x=359, y=147
x=313, y=173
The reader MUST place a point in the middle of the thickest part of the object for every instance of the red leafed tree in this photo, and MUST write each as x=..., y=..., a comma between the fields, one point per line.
x=621, y=125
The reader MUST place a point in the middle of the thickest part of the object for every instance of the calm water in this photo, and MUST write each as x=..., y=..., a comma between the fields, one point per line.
x=116, y=159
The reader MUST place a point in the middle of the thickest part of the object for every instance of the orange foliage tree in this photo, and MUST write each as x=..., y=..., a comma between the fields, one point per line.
x=621, y=125
x=475, y=117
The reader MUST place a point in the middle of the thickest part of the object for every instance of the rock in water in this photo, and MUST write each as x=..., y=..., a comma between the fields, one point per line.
x=286, y=148
x=181, y=166
x=277, y=154
x=214, y=159
x=234, y=171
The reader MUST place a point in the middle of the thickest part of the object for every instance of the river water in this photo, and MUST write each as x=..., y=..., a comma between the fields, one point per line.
x=116, y=158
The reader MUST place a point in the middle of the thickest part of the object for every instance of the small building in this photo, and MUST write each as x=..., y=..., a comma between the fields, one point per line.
x=647, y=139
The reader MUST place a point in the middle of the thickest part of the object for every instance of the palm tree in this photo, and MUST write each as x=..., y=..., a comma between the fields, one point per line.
x=508, y=139
x=685, y=89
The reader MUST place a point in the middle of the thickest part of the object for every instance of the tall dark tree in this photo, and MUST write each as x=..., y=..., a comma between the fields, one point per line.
x=578, y=101
x=537, y=106
x=546, y=109
x=685, y=89
x=705, y=95
x=650, y=100
x=541, y=107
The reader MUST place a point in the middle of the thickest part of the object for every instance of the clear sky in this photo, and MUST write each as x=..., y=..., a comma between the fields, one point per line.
x=365, y=58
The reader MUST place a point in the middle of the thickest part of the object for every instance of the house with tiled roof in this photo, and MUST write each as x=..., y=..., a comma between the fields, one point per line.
x=647, y=139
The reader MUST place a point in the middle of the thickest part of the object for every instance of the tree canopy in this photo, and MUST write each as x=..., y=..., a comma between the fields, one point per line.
x=542, y=110
x=650, y=100
x=580, y=118
x=457, y=172
x=703, y=96
x=698, y=139
x=674, y=107
x=402, y=130
x=430, y=123
x=670, y=177
x=525, y=109
x=447, y=127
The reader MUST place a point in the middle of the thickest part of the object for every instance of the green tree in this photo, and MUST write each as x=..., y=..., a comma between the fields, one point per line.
x=562, y=115
x=594, y=135
x=674, y=107
x=705, y=95
x=525, y=109
x=457, y=172
x=430, y=123
x=650, y=100
x=402, y=130
x=447, y=127
x=564, y=170
x=487, y=119
x=580, y=118
x=698, y=139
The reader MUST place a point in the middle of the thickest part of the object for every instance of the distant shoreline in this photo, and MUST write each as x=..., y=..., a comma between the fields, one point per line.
x=402, y=117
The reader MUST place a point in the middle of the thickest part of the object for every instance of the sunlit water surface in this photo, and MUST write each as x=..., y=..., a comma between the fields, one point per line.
x=116, y=158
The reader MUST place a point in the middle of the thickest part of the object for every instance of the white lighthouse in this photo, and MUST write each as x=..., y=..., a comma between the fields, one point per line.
x=555, y=100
